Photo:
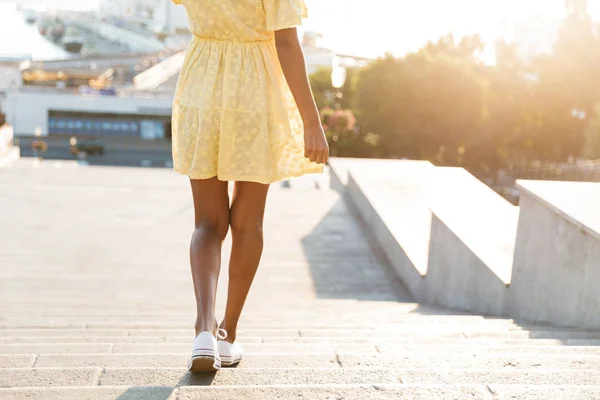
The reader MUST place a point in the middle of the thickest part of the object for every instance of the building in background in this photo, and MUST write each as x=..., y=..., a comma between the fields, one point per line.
x=119, y=101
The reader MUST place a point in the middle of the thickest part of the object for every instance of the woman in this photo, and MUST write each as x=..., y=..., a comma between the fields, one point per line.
x=243, y=112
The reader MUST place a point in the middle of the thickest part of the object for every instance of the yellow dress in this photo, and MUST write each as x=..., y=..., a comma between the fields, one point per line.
x=234, y=116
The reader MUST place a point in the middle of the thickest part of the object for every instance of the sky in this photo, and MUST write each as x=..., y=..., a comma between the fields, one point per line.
x=376, y=26
x=371, y=28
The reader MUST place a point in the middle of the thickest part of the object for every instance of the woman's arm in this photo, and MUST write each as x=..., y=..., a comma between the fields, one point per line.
x=293, y=64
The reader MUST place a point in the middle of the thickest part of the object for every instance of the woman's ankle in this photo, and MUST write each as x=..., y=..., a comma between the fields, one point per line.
x=231, y=331
x=203, y=325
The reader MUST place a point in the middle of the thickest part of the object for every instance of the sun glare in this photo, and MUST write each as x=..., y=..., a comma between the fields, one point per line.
x=378, y=26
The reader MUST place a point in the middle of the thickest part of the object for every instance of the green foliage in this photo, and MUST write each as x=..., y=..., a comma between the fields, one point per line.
x=443, y=104
x=343, y=137
x=423, y=106
x=320, y=82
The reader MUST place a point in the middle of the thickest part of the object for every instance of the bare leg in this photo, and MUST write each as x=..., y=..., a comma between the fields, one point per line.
x=246, y=219
x=211, y=211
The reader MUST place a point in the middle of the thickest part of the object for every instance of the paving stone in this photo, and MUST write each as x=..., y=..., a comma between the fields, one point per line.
x=292, y=348
x=480, y=361
x=176, y=360
x=180, y=348
x=501, y=376
x=39, y=325
x=542, y=392
x=16, y=361
x=329, y=392
x=373, y=333
x=61, y=332
x=545, y=334
x=90, y=393
x=424, y=341
x=260, y=360
x=473, y=348
x=257, y=376
x=190, y=332
x=102, y=339
x=113, y=360
x=244, y=340
x=15, y=377
x=53, y=348
x=125, y=314
x=310, y=348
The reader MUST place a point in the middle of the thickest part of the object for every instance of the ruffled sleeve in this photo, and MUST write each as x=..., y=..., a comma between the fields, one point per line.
x=283, y=14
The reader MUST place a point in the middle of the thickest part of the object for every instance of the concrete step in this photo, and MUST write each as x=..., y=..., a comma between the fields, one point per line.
x=229, y=377
x=175, y=360
x=178, y=376
x=17, y=360
x=411, y=326
x=413, y=360
x=455, y=331
x=386, y=392
x=312, y=392
x=485, y=361
x=325, y=319
x=384, y=343
x=282, y=321
x=150, y=345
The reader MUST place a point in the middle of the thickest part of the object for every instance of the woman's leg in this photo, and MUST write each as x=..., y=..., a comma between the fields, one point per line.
x=211, y=214
x=246, y=219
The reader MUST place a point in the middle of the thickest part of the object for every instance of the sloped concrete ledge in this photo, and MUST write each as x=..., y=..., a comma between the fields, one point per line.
x=538, y=262
x=473, y=233
x=387, y=242
x=556, y=271
x=392, y=197
x=457, y=278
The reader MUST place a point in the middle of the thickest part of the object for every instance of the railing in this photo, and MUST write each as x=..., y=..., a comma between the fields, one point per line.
x=583, y=171
x=503, y=181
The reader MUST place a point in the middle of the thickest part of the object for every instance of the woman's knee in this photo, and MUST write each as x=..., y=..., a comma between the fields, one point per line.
x=212, y=226
x=244, y=225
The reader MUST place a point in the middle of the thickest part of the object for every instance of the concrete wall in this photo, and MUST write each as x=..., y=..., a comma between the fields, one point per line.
x=556, y=275
x=538, y=262
x=471, y=249
x=457, y=278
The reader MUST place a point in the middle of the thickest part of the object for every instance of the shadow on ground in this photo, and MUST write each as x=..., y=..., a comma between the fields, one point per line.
x=164, y=392
x=146, y=393
x=345, y=264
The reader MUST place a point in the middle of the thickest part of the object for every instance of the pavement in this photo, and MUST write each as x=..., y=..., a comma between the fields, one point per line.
x=96, y=302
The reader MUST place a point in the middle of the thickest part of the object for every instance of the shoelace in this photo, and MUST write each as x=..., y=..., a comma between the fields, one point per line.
x=223, y=335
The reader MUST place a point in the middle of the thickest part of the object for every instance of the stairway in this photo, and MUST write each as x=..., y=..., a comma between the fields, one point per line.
x=96, y=303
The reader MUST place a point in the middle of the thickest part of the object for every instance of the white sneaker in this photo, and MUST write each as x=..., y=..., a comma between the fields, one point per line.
x=230, y=353
x=205, y=356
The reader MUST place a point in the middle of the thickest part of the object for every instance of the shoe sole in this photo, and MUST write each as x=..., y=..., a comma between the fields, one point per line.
x=227, y=362
x=204, y=364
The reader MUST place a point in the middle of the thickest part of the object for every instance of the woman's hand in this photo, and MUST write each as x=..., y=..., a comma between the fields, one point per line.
x=316, y=148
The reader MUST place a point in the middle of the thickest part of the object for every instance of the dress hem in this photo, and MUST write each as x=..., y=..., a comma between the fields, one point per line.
x=241, y=178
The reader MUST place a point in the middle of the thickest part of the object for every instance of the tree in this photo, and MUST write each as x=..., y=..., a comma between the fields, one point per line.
x=420, y=104
x=591, y=148
x=468, y=47
x=567, y=88
x=320, y=82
